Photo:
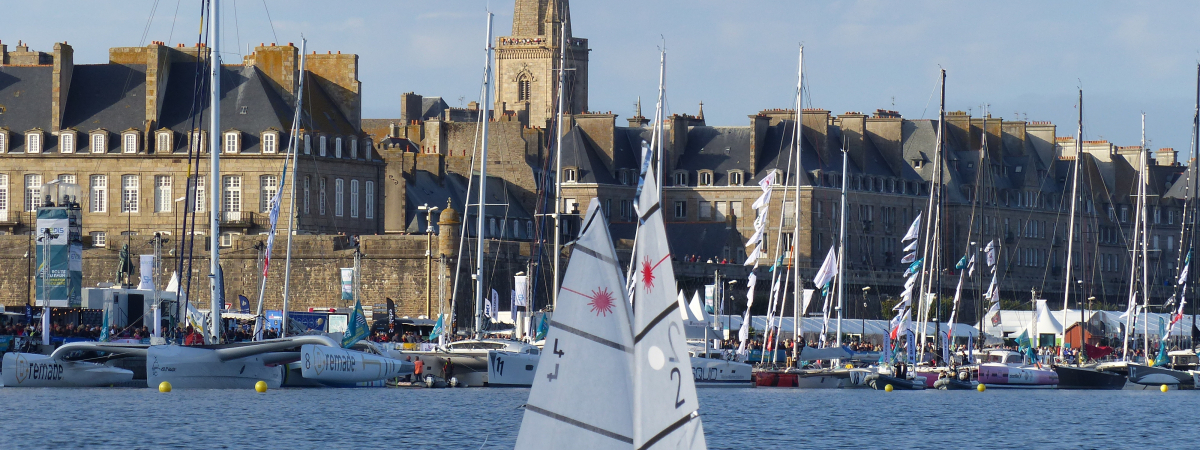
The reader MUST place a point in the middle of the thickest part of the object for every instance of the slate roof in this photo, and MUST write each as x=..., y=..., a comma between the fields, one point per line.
x=25, y=101
x=424, y=188
x=109, y=96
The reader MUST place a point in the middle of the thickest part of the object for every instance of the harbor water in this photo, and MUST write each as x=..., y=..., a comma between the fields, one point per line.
x=490, y=418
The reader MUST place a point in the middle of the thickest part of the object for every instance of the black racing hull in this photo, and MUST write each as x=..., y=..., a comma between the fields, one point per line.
x=1088, y=378
x=879, y=382
x=1152, y=376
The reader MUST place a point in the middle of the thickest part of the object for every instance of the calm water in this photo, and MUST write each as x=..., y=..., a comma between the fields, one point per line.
x=489, y=418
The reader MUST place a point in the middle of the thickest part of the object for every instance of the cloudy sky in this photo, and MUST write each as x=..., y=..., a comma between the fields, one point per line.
x=1023, y=58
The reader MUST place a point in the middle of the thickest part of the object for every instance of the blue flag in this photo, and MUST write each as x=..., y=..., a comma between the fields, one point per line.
x=437, y=329
x=244, y=303
x=104, y=326
x=357, y=329
x=542, y=328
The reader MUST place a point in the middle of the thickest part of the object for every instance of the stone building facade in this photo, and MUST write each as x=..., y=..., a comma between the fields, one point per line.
x=527, y=63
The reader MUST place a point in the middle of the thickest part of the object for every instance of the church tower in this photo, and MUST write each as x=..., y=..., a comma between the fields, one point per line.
x=527, y=63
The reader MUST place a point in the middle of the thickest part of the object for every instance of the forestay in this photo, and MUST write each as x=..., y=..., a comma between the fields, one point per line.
x=581, y=393
x=665, y=408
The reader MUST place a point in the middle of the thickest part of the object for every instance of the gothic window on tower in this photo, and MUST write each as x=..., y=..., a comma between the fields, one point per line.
x=523, y=89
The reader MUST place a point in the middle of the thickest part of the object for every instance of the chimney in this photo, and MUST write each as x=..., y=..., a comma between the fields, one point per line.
x=3, y=54
x=279, y=63
x=1166, y=157
x=338, y=77
x=64, y=67
x=410, y=107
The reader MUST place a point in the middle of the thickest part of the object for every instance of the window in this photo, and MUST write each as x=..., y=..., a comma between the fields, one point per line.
x=529, y=229
x=33, y=142
x=1124, y=214
x=735, y=178
x=308, y=144
x=98, y=143
x=129, y=142
x=337, y=147
x=68, y=178
x=324, y=141
x=66, y=141
x=523, y=89
x=623, y=176
x=321, y=197
x=199, y=141
x=307, y=192
x=705, y=210
x=367, y=146
x=162, y=193
x=3, y=140
x=570, y=206
x=129, y=193
x=789, y=213
x=354, y=199
x=369, y=206
x=231, y=196
x=705, y=178
x=569, y=175
x=200, y=195
x=339, y=201
x=231, y=142
x=722, y=211
x=99, y=238
x=353, y=148
x=4, y=195
x=33, y=192
x=99, y=193
x=268, y=186
x=681, y=209
x=626, y=209
x=492, y=230
x=227, y=239
x=270, y=142
x=681, y=178
x=162, y=142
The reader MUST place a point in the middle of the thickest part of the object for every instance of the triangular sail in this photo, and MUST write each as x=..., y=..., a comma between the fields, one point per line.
x=665, y=404
x=581, y=393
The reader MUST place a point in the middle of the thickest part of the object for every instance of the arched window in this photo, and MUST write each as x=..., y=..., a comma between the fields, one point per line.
x=523, y=89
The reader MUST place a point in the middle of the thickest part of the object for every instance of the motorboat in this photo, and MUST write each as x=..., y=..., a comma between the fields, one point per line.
x=480, y=362
x=802, y=378
x=1008, y=369
x=886, y=377
x=712, y=369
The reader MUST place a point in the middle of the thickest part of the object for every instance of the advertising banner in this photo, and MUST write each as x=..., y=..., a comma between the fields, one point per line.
x=146, y=273
x=348, y=283
x=53, y=274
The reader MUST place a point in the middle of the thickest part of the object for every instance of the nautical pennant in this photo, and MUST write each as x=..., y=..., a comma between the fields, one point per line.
x=909, y=258
x=991, y=252
x=913, y=230
x=828, y=270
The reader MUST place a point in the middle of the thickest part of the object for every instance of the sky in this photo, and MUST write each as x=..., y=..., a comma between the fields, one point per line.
x=1022, y=60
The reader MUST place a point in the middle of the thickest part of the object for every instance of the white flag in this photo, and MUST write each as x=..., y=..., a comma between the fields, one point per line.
x=755, y=238
x=766, y=182
x=991, y=253
x=1183, y=274
x=909, y=258
x=806, y=297
x=752, y=260
x=971, y=267
x=762, y=200
x=912, y=247
x=913, y=230
x=828, y=270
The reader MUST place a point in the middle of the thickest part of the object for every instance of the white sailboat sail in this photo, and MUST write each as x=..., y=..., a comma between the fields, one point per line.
x=665, y=405
x=581, y=395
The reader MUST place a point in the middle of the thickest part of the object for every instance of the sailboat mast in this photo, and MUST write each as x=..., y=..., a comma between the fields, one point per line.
x=287, y=260
x=1071, y=221
x=214, y=175
x=480, y=231
x=797, y=287
x=657, y=145
x=841, y=276
x=1190, y=191
x=1141, y=212
x=930, y=232
x=559, y=129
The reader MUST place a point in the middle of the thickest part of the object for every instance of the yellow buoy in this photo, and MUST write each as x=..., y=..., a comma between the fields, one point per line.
x=849, y=366
x=1164, y=388
x=981, y=387
x=260, y=386
x=164, y=386
x=887, y=388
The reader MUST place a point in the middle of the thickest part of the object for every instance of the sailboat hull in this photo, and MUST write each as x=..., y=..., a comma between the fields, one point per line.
x=36, y=370
x=719, y=373
x=1003, y=376
x=1157, y=376
x=200, y=368
x=801, y=379
x=1088, y=378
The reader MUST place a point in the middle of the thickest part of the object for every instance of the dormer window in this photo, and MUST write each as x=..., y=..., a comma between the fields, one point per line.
x=162, y=141
x=337, y=147
x=623, y=176
x=735, y=178
x=353, y=148
x=33, y=141
x=307, y=144
x=704, y=178
x=324, y=145
x=66, y=141
x=918, y=163
x=367, y=147
x=570, y=175
x=99, y=141
x=1017, y=169
x=3, y=140
x=129, y=141
x=270, y=142
x=681, y=178
x=232, y=142
x=199, y=141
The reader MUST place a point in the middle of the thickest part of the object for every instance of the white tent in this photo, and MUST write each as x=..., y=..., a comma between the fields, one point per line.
x=812, y=325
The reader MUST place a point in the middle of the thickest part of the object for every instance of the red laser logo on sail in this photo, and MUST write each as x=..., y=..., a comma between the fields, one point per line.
x=647, y=274
x=602, y=302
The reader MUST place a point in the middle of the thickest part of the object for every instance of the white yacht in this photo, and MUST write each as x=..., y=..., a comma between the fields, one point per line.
x=479, y=362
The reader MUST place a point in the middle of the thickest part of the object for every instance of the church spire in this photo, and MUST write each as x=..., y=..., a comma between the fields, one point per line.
x=638, y=113
x=700, y=115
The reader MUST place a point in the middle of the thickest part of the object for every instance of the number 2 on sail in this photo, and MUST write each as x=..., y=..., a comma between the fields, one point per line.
x=678, y=386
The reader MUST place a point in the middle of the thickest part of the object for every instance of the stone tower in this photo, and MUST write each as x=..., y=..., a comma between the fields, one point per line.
x=527, y=63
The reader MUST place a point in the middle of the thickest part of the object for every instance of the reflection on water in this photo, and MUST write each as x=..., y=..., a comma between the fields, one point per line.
x=489, y=418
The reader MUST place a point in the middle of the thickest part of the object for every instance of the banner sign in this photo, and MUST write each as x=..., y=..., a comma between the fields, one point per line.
x=348, y=283
x=521, y=286
x=146, y=273
x=57, y=278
